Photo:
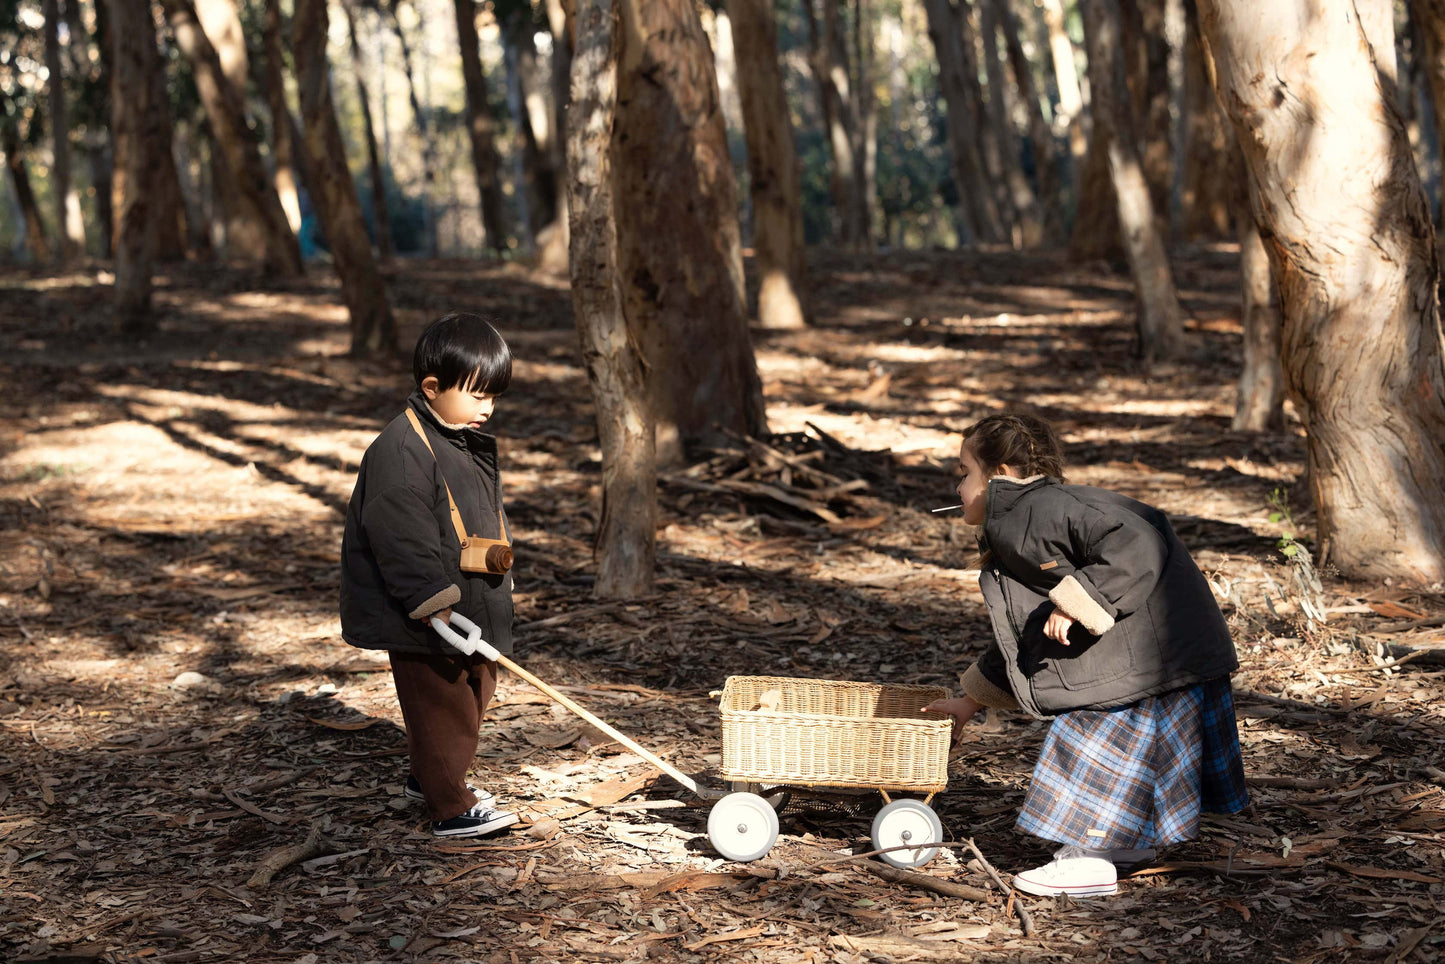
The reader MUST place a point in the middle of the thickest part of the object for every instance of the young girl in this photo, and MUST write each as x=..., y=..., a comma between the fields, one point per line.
x=431, y=471
x=1102, y=621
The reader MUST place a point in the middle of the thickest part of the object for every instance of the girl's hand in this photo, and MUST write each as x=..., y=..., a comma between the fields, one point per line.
x=1058, y=626
x=444, y=615
x=962, y=709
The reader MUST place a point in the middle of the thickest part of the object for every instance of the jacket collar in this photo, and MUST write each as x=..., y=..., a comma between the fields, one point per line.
x=1004, y=492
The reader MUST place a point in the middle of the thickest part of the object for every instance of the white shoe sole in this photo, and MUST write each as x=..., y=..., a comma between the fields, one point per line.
x=1050, y=890
x=500, y=822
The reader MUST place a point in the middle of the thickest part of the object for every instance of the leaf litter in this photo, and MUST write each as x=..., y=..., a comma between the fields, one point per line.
x=195, y=768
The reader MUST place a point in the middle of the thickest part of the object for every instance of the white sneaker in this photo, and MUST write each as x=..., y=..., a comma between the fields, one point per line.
x=1075, y=876
x=484, y=797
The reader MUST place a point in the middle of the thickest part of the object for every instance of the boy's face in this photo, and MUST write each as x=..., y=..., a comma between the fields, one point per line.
x=458, y=405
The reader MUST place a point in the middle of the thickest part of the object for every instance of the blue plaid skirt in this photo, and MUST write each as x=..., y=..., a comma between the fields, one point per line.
x=1140, y=775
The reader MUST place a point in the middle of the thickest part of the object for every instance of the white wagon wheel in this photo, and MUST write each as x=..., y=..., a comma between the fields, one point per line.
x=905, y=822
x=742, y=826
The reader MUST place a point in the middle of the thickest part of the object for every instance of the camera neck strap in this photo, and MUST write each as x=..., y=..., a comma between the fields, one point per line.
x=451, y=503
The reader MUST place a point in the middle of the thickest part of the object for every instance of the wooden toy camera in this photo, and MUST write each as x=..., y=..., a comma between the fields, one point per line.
x=486, y=555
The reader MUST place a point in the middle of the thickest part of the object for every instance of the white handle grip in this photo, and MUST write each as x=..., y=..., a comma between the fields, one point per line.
x=471, y=643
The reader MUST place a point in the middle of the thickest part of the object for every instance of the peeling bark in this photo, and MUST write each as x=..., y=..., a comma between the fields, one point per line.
x=1349, y=236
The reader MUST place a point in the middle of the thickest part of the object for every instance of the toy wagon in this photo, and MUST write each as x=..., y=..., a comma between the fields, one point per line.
x=781, y=735
x=809, y=735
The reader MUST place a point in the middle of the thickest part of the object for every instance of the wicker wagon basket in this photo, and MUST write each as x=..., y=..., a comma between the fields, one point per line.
x=830, y=733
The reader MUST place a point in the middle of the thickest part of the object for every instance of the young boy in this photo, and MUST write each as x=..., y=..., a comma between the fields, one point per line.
x=401, y=563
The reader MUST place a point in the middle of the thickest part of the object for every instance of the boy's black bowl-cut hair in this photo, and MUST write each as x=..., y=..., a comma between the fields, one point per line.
x=460, y=348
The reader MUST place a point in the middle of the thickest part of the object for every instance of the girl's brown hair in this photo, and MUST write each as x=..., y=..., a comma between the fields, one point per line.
x=1024, y=442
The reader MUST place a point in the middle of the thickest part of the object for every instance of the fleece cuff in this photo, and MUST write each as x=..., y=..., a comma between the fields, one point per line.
x=1074, y=600
x=449, y=596
x=978, y=686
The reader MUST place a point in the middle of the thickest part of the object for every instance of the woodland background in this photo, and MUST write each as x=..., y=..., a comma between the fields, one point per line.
x=759, y=264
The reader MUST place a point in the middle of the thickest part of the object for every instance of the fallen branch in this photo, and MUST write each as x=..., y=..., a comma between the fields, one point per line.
x=278, y=860
x=1025, y=921
x=251, y=808
x=897, y=875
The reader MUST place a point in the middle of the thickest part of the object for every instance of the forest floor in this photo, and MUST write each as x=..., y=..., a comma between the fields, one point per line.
x=176, y=706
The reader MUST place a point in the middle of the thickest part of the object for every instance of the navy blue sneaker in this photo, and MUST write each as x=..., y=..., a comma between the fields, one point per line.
x=484, y=797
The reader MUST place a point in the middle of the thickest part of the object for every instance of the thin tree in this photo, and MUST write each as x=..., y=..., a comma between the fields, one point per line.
x=67, y=202
x=425, y=130
x=380, y=215
x=1347, y=227
x=1028, y=226
x=1161, y=320
x=12, y=145
x=828, y=62
x=1259, y=402
x=677, y=228
x=1429, y=19
x=772, y=167
x=1048, y=164
x=626, y=543
x=1212, y=168
x=979, y=215
x=266, y=235
x=373, y=327
x=137, y=140
x=284, y=146
x=481, y=127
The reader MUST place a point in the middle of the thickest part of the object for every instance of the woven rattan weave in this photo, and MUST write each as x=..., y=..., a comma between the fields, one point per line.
x=832, y=733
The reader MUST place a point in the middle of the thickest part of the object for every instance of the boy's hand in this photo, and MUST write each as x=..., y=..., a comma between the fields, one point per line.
x=1058, y=626
x=961, y=708
x=445, y=615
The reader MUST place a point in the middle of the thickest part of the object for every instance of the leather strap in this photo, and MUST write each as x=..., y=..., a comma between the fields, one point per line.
x=451, y=503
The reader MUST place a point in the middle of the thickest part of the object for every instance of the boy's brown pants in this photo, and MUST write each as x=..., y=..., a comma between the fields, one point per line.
x=443, y=699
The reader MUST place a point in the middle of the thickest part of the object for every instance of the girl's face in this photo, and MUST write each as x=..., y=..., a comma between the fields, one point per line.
x=974, y=484
x=458, y=405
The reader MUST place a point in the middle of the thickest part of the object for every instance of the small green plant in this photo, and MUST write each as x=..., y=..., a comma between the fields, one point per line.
x=1301, y=589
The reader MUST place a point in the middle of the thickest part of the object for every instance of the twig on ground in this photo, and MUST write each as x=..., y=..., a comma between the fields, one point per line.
x=1025, y=921
x=278, y=860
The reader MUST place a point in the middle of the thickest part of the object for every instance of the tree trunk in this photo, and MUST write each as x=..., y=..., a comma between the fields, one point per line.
x=1429, y=18
x=265, y=235
x=283, y=139
x=373, y=328
x=978, y=213
x=1348, y=231
x=11, y=145
x=162, y=181
x=1066, y=76
x=138, y=139
x=677, y=231
x=1047, y=162
x=992, y=152
x=1260, y=403
x=625, y=546
x=553, y=242
x=425, y=129
x=101, y=154
x=1028, y=228
x=235, y=227
x=381, y=218
x=1213, y=167
x=830, y=74
x=71, y=228
x=480, y=127
x=772, y=168
x=534, y=120
x=1146, y=56
x=1161, y=320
